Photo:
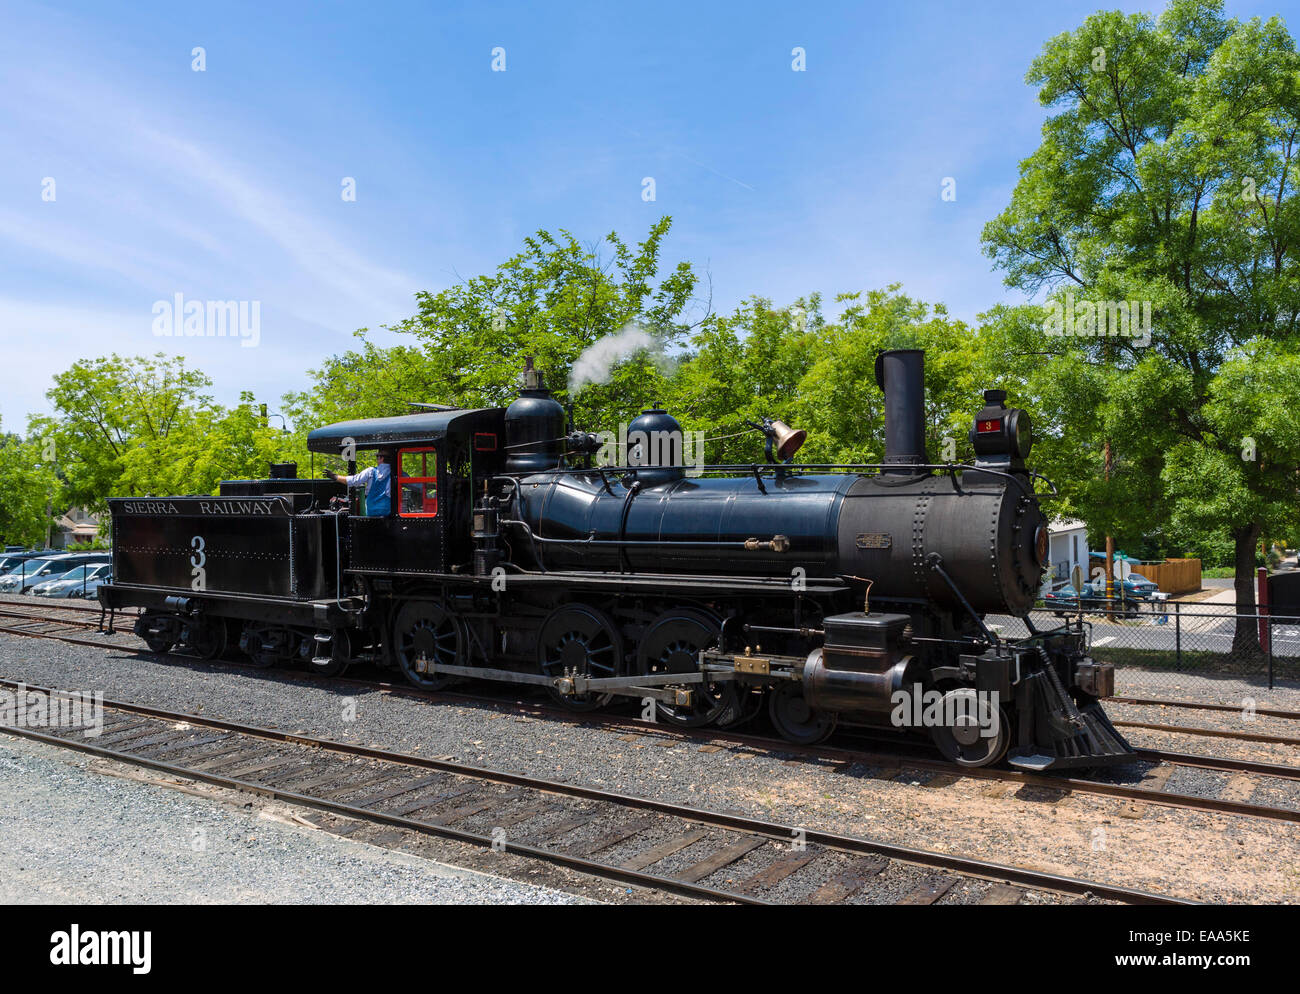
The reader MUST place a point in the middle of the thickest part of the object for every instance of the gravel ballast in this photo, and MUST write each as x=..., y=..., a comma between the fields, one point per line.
x=69, y=834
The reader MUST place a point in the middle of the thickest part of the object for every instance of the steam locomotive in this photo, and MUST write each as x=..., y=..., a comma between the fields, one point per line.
x=513, y=553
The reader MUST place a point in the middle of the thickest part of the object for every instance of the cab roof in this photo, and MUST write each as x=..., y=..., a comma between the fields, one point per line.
x=431, y=427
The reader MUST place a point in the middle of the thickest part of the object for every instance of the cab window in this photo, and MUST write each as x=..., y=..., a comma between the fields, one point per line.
x=418, y=482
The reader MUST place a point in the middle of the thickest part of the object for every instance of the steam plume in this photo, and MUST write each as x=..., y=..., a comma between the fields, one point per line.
x=597, y=362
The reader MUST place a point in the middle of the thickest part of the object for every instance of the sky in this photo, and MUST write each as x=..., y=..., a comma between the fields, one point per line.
x=133, y=169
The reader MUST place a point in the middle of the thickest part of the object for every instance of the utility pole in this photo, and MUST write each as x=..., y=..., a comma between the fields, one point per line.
x=1110, y=540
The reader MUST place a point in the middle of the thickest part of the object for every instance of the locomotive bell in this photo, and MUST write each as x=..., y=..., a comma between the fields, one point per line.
x=788, y=440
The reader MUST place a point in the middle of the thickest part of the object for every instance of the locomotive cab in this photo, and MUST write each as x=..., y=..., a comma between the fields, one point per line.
x=434, y=458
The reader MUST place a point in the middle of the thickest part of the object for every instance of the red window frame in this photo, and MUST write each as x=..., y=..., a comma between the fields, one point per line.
x=402, y=479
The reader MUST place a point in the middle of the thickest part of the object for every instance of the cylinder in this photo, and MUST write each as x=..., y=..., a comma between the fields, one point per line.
x=900, y=373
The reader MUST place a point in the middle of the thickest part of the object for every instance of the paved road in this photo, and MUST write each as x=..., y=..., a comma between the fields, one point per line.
x=1196, y=631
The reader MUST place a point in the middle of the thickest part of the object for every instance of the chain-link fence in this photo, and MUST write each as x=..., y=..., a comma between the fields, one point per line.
x=1185, y=649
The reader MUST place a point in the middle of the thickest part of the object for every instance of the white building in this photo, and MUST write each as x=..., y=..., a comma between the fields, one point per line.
x=1067, y=547
x=78, y=525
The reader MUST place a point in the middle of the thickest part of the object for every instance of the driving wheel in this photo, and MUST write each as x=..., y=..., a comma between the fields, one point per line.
x=672, y=644
x=426, y=633
x=583, y=640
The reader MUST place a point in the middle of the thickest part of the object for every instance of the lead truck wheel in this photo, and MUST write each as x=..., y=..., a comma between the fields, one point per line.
x=425, y=632
x=974, y=732
x=794, y=719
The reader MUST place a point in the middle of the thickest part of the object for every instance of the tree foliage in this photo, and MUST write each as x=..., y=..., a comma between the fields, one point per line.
x=1167, y=173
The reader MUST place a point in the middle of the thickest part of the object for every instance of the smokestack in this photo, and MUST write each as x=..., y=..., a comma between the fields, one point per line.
x=900, y=373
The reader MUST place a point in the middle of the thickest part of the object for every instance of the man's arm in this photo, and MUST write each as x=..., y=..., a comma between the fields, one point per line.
x=355, y=481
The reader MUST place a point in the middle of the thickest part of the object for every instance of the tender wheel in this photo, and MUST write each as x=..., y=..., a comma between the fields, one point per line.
x=583, y=639
x=336, y=653
x=794, y=719
x=974, y=732
x=672, y=644
x=206, y=639
x=253, y=640
x=159, y=642
x=423, y=633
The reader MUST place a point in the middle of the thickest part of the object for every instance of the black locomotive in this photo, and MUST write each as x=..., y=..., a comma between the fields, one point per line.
x=513, y=552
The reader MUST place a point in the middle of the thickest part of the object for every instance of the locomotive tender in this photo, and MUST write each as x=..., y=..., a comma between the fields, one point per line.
x=823, y=592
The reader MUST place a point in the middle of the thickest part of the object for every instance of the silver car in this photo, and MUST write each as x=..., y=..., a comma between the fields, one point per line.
x=28, y=574
x=83, y=581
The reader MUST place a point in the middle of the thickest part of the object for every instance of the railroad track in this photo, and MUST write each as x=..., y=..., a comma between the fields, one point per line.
x=1204, y=706
x=897, y=758
x=710, y=855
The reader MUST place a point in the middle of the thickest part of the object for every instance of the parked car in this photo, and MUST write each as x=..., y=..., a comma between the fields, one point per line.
x=83, y=581
x=30, y=572
x=10, y=561
x=1065, y=600
x=1139, y=587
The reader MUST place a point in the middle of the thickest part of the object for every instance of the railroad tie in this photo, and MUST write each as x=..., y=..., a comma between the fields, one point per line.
x=232, y=746
x=774, y=873
x=569, y=824
x=182, y=747
x=610, y=838
x=1240, y=788
x=297, y=785
x=462, y=812
x=844, y=885
x=168, y=738
x=526, y=813
x=124, y=726
x=1155, y=780
x=397, y=790
x=664, y=850
x=413, y=807
x=116, y=740
x=929, y=892
x=724, y=857
x=383, y=777
x=218, y=763
x=1002, y=894
x=274, y=763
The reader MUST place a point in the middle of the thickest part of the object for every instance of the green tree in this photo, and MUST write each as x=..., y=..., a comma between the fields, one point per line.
x=28, y=488
x=1167, y=173
x=819, y=375
x=552, y=301
x=145, y=425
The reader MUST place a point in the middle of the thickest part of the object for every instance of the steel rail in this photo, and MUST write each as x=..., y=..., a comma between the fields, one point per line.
x=1216, y=733
x=1202, y=706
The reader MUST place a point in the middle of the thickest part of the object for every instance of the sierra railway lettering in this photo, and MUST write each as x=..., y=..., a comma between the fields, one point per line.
x=201, y=507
